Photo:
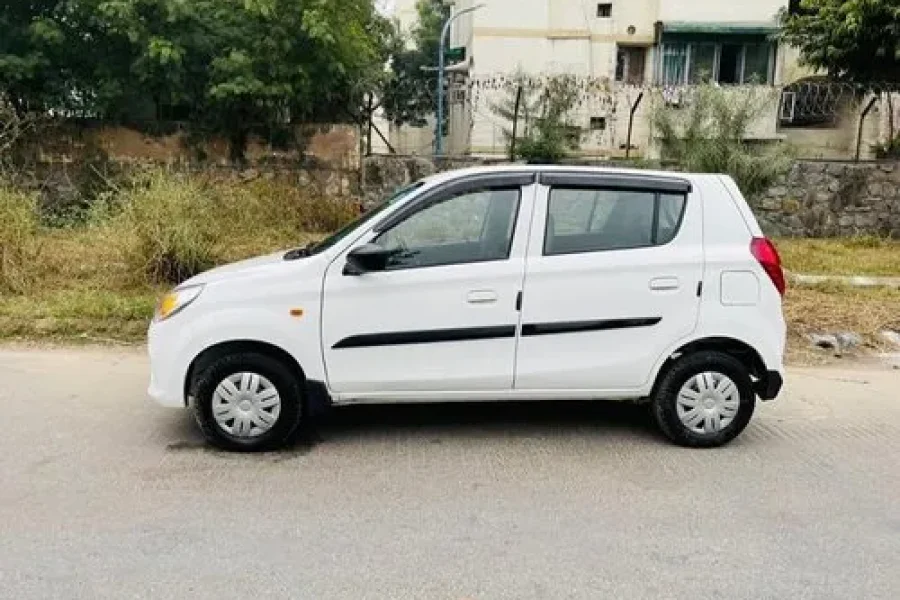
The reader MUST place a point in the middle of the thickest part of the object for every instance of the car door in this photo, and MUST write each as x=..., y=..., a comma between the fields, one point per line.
x=613, y=274
x=442, y=315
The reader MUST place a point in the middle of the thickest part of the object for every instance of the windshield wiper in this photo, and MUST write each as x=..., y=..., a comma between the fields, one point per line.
x=303, y=252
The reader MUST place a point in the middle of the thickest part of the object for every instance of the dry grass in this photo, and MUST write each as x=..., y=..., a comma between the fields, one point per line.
x=841, y=256
x=836, y=308
x=100, y=281
x=18, y=224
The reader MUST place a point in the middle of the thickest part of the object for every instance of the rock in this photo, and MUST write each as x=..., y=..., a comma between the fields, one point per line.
x=886, y=167
x=848, y=340
x=790, y=205
x=836, y=168
x=866, y=220
x=769, y=203
x=892, y=337
x=778, y=191
x=826, y=341
x=876, y=189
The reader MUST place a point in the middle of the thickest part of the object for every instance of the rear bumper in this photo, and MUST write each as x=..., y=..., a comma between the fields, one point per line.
x=769, y=386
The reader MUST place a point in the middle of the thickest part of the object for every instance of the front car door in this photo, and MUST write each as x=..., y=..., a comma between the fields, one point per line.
x=442, y=316
x=614, y=265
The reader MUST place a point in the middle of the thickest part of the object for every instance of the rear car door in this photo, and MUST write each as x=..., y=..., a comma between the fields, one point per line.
x=614, y=267
x=442, y=317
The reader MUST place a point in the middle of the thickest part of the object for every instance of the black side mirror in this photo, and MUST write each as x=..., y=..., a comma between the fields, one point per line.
x=367, y=258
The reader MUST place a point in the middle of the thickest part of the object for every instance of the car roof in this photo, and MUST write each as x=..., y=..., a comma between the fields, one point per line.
x=447, y=176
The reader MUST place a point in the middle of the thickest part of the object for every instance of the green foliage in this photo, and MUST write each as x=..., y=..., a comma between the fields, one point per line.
x=408, y=95
x=709, y=135
x=889, y=150
x=18, y=229
x=857, y=40
x=518, y=106
x=543, y=134
x=226, y=66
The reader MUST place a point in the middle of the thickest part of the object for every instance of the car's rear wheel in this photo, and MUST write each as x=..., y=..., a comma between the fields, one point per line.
x=704, y=400
x=247, y=402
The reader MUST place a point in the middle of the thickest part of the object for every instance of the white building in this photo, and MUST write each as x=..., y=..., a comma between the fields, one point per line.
x=617, y=49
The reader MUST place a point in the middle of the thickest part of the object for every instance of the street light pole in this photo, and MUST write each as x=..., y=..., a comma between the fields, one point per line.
x=439, y=126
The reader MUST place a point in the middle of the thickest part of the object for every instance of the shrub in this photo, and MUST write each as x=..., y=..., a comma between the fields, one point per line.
x=164, y=226
x=18, y=229
x=171, y=226
x=543, y=131
x=710, y=134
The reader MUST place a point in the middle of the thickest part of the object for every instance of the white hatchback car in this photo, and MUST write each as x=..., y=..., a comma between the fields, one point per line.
x=502, y=283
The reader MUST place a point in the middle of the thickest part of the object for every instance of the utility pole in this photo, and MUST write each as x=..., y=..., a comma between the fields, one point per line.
x=439, y=126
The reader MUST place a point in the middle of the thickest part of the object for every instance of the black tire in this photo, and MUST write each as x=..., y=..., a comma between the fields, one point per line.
x=286, y=382
x=664, y=404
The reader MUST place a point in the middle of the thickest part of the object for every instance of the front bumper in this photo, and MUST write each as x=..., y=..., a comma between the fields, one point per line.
x=769, y=386
x=166, y=371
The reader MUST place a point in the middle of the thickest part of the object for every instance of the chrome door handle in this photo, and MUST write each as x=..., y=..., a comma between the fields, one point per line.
x=481, y=297
x=661, y=284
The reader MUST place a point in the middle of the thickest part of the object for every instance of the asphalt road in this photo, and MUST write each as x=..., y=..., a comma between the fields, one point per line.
x=105, y=495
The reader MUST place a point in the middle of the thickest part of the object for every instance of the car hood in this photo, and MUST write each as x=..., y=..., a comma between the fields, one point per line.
x=238, y=269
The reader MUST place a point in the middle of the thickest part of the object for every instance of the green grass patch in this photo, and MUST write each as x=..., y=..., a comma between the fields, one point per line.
x=867, y=255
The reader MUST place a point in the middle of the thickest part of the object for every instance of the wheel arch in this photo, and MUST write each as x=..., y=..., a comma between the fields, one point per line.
x=746, y=354
x=222, y=349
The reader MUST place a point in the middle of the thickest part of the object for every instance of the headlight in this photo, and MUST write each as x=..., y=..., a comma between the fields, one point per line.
x=176, y=301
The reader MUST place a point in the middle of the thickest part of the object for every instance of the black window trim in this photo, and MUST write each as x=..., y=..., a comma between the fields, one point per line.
x=654, y=233
x=454, y=193
x=616, y=182
x=456, y=187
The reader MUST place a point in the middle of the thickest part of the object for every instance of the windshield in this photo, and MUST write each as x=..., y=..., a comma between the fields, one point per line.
x=337, y=236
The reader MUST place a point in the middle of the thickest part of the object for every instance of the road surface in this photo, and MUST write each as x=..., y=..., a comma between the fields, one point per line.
x=105, y=495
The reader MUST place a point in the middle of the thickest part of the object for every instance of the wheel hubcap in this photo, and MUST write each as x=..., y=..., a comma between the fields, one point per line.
x=246, y=405
x=708, y=402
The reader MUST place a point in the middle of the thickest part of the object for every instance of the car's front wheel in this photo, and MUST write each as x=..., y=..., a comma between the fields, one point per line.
x=247, y=402
x=705, y=400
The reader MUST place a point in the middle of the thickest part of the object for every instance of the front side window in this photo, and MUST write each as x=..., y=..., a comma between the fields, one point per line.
x=356, y=223
x=474, y=226
x=595, y=220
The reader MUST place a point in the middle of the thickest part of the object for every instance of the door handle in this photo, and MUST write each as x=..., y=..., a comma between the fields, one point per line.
x=661, y=284
x=481, y=297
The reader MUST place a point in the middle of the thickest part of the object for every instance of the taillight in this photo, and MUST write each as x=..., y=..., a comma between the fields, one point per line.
x=764, y=251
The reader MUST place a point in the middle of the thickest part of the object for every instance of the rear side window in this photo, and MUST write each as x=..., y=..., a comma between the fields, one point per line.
x=596, y=220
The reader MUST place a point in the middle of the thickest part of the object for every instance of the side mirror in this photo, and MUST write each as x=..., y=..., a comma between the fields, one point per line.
x=366, y=259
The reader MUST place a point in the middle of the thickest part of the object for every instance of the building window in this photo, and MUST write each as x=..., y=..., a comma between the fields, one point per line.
x=630, y=64
x=729, y=64
x=598, y=123
x=604, y=10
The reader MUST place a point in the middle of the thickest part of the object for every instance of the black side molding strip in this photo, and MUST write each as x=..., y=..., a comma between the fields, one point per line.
x=401, y=338
x=533, y=329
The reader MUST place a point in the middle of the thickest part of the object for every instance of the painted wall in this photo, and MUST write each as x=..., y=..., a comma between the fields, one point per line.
x=719, y=10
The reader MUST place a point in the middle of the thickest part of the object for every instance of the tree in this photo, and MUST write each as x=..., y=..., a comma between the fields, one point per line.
x=853, y=40
x=408, y=95
x=518, y=107
x=545, y=134
x=226, y=66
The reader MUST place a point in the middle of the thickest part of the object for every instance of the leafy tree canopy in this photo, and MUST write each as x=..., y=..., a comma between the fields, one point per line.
x=226, y=65
x=408, y=96
x=854, y=40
